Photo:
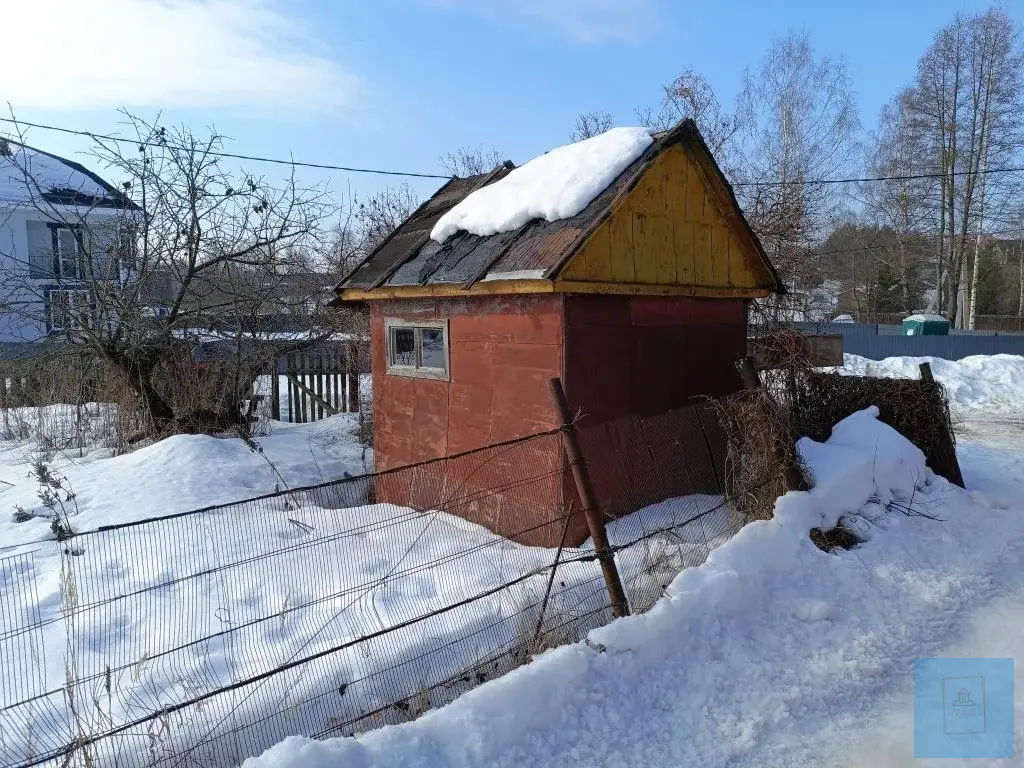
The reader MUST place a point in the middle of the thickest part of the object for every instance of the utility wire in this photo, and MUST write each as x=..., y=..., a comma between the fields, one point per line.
x=864, y=179
x=419, y=175
x=882, y=246
x=254, y=158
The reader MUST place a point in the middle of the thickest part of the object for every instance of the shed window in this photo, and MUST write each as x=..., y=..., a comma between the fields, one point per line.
x=417, y=349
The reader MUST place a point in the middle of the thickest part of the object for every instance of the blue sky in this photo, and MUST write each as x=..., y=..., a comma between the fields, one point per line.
x=396, y=83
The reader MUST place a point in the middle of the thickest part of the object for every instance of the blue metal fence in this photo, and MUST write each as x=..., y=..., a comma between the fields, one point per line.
x=877, y=342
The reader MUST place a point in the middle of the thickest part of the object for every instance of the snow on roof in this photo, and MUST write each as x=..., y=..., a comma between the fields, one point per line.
x=926, y=317
x=553, y=186
x=64, y=180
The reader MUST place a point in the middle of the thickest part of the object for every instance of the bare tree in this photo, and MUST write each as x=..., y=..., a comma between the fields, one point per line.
x=966, y=100
x=996, y=79
x=690, y=95
x=902, y=203
x=467, y=161
x=189, y=245
x=590, y=124
x=797, y=125
x=379, y=214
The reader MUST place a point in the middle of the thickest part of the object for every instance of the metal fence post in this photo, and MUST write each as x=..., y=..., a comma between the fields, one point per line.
x=591, y=510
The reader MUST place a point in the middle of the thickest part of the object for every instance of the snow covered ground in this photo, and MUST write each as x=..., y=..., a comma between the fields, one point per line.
x=291, y=577
x=773, y=652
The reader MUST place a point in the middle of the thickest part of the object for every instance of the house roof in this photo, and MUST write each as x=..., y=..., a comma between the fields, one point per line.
x=27, y=173
x=538, y=250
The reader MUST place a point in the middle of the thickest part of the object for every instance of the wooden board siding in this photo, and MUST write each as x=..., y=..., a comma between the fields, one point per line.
x=670, y=230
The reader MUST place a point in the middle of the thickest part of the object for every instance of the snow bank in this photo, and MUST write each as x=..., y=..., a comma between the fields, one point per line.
x=769, y=640
x=553, y=186
x=979, y=381
x=863, y=458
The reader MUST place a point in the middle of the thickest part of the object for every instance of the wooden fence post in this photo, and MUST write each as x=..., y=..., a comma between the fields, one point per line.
x=275, y=392
x=591, y=510
x=352, y=376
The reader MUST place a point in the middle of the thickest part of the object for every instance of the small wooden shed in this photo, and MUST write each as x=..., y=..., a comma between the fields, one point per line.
x=639, y=303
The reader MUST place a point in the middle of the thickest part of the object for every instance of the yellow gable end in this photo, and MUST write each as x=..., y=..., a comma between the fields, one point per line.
x=670, y=231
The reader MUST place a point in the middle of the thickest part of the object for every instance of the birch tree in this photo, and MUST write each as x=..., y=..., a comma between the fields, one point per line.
x=965, y=101
x=900, y=203
x=797, y=124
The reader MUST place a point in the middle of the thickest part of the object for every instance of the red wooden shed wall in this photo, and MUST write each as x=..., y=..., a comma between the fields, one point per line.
x=649, y=354
x=618, y=355
x=502, y=352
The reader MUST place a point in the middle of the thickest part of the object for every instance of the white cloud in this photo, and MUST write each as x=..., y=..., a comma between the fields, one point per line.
x=70, y=54
x=588, y=21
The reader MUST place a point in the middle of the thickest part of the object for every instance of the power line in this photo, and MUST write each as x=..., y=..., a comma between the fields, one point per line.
x=865, y=179
x=420, y=175
x=232, y=155
x=880, y=247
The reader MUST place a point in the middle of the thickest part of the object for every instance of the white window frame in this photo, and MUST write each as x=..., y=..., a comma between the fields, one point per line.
x=416, y=370
x=84, y=298
x=58, y=256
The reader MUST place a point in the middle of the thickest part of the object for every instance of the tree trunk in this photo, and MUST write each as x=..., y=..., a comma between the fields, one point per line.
x=981, y=225
x=139, y=378
x=1020, y=299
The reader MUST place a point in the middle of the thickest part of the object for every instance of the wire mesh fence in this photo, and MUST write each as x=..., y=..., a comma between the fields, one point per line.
x=204, y=637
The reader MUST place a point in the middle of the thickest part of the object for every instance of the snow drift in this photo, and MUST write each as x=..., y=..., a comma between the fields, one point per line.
x=980, y=381
x=767, y=642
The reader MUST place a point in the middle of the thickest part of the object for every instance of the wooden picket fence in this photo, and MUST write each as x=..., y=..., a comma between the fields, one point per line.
x=318, y=383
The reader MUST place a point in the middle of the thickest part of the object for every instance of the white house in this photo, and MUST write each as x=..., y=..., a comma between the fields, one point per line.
x=61, y=234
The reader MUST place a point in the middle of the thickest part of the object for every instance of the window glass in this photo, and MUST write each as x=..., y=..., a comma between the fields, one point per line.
x=67, y=251
x=403, y=346
x=432, y=348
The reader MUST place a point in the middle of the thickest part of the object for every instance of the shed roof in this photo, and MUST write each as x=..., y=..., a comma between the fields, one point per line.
x=536, y=251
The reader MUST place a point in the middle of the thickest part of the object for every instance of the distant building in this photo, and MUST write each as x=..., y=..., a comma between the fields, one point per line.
x=60, y=235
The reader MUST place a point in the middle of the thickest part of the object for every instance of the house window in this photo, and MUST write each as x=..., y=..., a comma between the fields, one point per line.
x=417, y=349
x=68, y=310
x=67, y=251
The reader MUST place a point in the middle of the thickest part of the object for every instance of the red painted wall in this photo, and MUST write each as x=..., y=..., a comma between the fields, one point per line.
x=617, y=355
x=502, y=352
x=645, y=355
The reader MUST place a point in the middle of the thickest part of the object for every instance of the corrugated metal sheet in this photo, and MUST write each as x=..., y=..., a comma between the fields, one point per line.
x=877, y=343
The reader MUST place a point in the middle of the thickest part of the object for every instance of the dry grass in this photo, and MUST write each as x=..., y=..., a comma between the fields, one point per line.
x=762, y=426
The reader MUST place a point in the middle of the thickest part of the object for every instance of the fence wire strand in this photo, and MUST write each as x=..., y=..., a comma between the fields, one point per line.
x=204, y=637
